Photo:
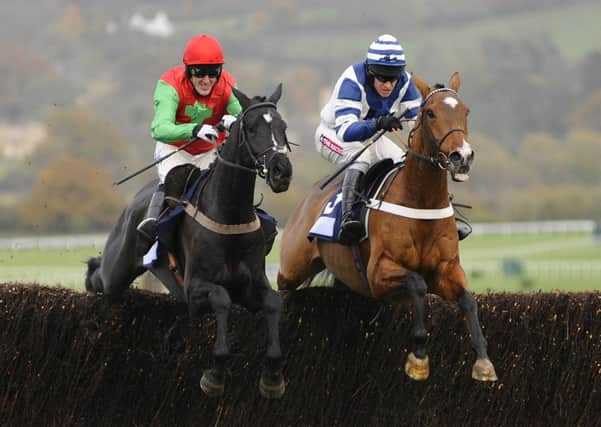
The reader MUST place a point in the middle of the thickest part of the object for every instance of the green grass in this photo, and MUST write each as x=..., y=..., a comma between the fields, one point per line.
x=62, y=267
x=552, y=261
x=546, y=262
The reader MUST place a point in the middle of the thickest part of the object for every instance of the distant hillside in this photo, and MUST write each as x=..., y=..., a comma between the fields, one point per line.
x=530, y=75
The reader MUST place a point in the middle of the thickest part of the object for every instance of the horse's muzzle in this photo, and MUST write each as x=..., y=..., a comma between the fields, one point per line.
x=460, y=162
x=279, y=173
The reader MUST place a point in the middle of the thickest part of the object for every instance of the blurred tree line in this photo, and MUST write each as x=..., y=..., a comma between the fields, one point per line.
x=89, y=80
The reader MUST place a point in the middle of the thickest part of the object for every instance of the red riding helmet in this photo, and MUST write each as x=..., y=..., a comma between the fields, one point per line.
x=203, y=49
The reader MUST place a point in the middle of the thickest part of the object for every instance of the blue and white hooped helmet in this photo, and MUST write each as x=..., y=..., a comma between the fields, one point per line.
x=386, y=56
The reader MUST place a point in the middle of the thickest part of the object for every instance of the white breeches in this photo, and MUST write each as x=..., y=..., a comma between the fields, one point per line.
x=202, y=161
x=335, y=151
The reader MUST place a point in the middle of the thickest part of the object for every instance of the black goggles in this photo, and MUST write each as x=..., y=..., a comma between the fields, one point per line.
x=384, y=79
x=212, y=71
x=388, y=77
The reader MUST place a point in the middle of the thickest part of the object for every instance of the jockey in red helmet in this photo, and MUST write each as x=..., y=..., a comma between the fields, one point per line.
x=189, y=101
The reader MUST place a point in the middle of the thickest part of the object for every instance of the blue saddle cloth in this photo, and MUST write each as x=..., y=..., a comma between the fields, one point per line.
x=167, y=226
x=328, y=224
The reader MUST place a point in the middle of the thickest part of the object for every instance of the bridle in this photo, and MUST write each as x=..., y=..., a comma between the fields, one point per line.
x=259, y=160
x=439, y=159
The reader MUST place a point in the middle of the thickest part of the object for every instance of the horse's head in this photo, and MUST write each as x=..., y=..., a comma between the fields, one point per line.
x=258, y=141
x=442, y=123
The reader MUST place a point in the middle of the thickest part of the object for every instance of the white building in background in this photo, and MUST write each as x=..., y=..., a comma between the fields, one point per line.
x=159, y=26
x=20, y=141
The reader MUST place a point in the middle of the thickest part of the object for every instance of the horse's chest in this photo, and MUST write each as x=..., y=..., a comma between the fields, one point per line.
x=419, y=257
x=231, y=273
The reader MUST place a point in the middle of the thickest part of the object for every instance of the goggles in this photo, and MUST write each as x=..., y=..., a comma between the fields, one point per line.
x=390, y=75
x=212, y=71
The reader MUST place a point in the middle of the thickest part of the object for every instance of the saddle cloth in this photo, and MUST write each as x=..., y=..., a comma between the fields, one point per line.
x=167, y=226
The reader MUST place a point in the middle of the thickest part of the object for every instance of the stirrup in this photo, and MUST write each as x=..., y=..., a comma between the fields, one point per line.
x=463, y=228
x=350, y=232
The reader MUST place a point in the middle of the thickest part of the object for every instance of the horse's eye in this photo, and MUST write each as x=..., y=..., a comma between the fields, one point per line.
x=430, y=114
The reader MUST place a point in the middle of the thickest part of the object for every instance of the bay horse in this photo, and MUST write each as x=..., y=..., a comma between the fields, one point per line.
x=412, y=246
x=219, y=245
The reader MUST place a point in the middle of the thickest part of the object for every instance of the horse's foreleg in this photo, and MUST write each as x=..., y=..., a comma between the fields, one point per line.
x=272, y=384
x=483, y=369
x=417, y=365
x=213, y=380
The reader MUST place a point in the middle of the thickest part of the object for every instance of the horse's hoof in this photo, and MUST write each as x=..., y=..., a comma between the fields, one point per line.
x=417, y=369
x=272, y=388
x=211, y=385
x=484, y=370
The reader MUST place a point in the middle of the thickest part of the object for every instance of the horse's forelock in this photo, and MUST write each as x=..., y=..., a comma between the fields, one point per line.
x=257, y=99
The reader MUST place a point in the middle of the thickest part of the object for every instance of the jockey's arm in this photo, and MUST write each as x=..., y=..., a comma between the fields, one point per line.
x=163, y=127
x=349, y=125
x=233, y=106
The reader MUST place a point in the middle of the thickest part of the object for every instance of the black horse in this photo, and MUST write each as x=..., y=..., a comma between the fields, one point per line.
x=219, y=247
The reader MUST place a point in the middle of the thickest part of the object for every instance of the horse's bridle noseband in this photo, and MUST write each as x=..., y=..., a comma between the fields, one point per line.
x=260, y=166
x=439, y=159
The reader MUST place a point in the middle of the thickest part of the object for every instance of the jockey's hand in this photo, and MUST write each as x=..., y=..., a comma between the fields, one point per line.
x=206, y=132
x=388, y=123
x=228, y=121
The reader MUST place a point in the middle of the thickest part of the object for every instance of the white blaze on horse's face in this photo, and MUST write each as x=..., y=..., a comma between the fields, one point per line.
x=276, y=147
x=450, y=101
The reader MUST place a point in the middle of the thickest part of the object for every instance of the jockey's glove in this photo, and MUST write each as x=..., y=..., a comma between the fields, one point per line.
x=228, y=121
x=388, y=123
x=206, y=132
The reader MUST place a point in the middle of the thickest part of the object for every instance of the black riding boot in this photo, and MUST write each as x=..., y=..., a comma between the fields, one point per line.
x=147, y=227
x=463, y=228
x=351, y=230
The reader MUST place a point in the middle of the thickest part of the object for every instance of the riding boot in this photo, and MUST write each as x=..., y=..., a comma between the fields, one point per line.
x=351, y=229
x=463, y=228
x=147, y=227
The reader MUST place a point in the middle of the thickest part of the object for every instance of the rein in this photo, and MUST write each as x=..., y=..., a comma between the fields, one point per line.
x=439, y=159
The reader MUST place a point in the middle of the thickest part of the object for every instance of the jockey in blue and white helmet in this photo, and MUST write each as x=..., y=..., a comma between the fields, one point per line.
x=368, y=97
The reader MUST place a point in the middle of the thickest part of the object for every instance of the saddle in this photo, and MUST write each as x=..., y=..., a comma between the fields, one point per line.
x=179, y=180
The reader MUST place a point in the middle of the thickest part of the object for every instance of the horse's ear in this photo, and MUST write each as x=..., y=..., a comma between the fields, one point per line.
x=454, y=81
x=277, y=93
x=241, y=97
x=423, y=87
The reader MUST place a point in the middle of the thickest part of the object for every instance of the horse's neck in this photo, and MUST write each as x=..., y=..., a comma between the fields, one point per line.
x=421, y=184
x=229, y=195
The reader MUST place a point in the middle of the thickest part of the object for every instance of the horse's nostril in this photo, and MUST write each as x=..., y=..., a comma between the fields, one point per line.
x=455, y=157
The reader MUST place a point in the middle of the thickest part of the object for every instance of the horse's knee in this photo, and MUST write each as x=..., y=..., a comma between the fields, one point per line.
x=466, y=302
x=92, y=281
x=416, y=285
x=220, y=299
x=203, y=298
x=272, y=302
